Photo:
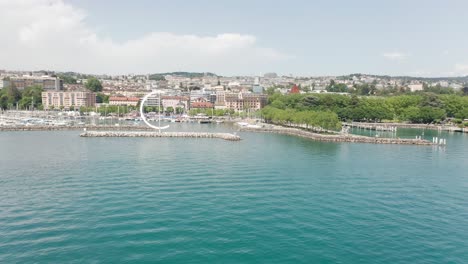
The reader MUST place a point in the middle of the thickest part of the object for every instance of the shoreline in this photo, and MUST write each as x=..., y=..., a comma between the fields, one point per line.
x=337, y=137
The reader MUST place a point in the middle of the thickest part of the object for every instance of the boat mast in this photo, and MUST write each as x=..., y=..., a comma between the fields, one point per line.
x=159, y=105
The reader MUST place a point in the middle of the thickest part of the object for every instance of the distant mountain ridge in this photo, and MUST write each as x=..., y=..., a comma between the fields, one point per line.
x=434, y=79
x=160, y=76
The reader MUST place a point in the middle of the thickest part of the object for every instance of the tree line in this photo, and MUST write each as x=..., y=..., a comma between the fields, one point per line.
x=414, y=108
x=293, y=117
x=28, y=98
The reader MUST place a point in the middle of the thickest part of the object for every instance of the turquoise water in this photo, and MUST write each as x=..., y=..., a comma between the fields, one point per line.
x=268, y=199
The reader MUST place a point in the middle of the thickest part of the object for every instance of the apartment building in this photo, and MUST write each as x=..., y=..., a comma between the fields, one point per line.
x=46, y=82
x=124, y=101
x=59, y=99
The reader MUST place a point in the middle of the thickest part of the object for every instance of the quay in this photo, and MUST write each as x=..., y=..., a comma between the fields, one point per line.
x=338, y=137
x=225, y=136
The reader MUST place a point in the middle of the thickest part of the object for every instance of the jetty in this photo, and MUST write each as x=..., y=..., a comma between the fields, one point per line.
x=155, y=134
x=338, y=137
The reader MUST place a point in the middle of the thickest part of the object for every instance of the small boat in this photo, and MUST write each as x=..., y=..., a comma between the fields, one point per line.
x=219, y=121
x=204, y=121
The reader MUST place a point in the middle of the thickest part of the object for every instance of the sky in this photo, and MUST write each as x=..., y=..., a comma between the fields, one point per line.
x=243, y=37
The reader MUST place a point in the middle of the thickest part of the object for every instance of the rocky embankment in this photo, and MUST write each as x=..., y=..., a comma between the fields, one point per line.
x=337, y=137
x=225, y=136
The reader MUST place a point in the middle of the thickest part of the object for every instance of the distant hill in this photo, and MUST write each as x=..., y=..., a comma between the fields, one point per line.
x=160, y=76
x=433, y=79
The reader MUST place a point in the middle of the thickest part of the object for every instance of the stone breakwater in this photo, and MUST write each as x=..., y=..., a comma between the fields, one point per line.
x=225, y=136
x=337, y=137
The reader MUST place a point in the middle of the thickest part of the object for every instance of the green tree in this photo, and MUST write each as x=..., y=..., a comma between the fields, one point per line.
x=68, y=79
x=102, y=98
x=464, y=90
x=179, y=110
x=94, y=85
x=31, y=96
x=13, y=95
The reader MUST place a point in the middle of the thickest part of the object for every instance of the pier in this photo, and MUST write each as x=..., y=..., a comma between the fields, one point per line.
x=154, y=134
x=339, y=137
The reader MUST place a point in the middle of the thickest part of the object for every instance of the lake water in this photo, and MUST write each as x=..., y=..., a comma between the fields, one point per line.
x=268, y=198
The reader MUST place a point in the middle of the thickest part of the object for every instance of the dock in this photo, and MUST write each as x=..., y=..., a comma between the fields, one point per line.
x=155, y=134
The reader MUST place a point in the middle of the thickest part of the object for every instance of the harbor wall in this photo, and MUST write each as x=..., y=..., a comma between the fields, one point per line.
x=225, y=136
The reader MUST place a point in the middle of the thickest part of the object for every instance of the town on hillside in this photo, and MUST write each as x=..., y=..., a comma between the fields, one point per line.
x=182, y=91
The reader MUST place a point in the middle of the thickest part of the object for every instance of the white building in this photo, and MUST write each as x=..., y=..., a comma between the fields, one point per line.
x=415, y=87
x=59, y=99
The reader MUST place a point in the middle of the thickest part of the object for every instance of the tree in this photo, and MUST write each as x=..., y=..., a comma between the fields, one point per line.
x=170, y=109
x=31, y=96
x=102, y=98
x=13, y=94
x=94, y=85
x=278, y=104
x=462, y=113
x=431, y=100
x=68, y=79
x=465, y=90
x=270, y=90
x=3, y=100
x=179, y=110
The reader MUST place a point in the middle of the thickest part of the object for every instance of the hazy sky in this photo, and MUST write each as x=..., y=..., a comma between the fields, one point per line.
x=421, y=38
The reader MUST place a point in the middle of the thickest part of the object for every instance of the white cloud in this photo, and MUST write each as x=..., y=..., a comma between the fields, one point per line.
x=52, y=34
x=395, y=56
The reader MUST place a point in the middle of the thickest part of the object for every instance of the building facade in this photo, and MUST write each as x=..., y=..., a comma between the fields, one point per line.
x=46, y=82
x=201, y=105
x=68, y=100
x=124, y=101
x=243, y=101
x=175, y=101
